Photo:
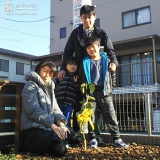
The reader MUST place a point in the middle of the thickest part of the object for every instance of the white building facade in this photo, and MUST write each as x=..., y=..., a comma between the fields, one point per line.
x=14, y=65
x=133, y=28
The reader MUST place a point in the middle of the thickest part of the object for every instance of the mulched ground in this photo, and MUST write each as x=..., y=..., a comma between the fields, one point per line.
x=135, y=152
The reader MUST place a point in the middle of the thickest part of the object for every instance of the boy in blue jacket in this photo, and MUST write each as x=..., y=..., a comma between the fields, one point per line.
x=94, y=69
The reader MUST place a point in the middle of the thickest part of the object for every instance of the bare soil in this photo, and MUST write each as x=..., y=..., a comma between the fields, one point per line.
x=134, y=152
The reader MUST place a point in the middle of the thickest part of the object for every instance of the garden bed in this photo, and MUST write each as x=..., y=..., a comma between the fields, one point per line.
x=135, y=152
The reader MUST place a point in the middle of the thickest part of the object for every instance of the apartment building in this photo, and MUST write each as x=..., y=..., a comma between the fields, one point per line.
x=14, y=65
x=133, y=27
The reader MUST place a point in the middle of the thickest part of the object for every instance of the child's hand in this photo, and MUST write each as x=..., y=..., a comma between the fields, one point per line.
x=75, y=78
x=112, y=67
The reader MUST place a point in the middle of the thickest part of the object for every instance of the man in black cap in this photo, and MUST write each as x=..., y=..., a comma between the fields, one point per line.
x=75, y=47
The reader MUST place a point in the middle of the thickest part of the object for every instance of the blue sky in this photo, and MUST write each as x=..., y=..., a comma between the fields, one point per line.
x=17, y=33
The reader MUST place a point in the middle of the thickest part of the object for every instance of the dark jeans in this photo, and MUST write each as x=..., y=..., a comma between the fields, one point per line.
x=104, y=105
x=97, y=121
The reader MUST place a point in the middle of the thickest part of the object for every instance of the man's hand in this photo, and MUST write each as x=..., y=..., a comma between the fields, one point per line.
x=112, y=67
x=61, y=74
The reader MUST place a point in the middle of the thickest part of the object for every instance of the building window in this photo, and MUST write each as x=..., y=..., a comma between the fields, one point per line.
x=20, y=68
x=136, y=17
x=97, y=23
x=4, y=65
x=136, y=69
x=63, y=32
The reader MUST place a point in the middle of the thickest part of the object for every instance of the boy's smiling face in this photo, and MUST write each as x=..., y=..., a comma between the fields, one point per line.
x=93, y=51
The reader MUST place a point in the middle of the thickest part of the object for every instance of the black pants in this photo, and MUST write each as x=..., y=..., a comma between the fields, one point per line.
x=43, y=141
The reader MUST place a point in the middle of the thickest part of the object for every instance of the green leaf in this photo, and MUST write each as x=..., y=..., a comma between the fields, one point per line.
x=91, y=98
x=91, y=87
x=82, y=102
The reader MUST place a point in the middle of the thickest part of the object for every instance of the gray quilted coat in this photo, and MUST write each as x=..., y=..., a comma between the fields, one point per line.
x=39, y=109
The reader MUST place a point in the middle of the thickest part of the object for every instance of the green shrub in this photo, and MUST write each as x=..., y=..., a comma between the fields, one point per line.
x=7, y=157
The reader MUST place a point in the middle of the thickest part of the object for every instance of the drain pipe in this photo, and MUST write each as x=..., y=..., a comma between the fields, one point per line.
x=148, y=108
x=154, y=60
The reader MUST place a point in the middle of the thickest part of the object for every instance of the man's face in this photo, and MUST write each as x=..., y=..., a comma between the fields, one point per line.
x=88, y=20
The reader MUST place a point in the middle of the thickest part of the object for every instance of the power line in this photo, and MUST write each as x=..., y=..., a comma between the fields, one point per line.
x=27, y=33
x=26, y=21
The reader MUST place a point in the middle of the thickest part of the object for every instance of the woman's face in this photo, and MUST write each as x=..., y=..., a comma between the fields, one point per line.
x=46, y=73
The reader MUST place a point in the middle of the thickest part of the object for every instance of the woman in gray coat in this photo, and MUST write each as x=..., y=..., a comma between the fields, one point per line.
x=43, y=125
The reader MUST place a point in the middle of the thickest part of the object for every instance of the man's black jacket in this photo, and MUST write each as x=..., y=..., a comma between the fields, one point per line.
x=75, y=45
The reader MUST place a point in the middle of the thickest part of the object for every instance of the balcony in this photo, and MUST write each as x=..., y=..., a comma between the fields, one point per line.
x=4, y=75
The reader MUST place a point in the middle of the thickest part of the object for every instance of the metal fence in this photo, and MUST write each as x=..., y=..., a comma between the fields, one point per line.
x=137, y=109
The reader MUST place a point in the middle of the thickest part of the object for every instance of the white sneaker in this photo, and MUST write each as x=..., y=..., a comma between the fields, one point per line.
x=67, y=145
x=94, y=143
x=120, y=143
